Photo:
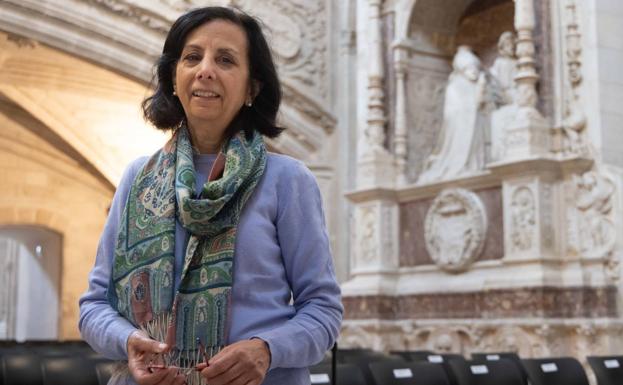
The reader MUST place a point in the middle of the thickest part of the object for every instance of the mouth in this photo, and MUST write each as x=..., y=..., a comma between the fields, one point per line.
x=205, y=94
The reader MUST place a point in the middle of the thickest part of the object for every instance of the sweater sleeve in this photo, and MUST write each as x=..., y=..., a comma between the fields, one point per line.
x=100, y=325
x=303, y=340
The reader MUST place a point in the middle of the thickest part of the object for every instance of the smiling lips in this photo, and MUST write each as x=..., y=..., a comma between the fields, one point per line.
x=205, y=94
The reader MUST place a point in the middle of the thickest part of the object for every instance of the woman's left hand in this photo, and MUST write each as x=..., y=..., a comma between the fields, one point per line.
x=241, y=363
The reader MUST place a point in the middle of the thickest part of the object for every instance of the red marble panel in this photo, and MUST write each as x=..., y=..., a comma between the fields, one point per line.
x=412, y=215
x=534, y=302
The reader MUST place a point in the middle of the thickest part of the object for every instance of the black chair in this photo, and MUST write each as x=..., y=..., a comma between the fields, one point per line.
x=408, y=373
x=69, y=370
x=608, y=369
x=409, y=355
x=440, y=359
x=346, y=374
x=21, y=369
x=364, y=358
x=513, y=357
x=486, y=372
x=555, y=371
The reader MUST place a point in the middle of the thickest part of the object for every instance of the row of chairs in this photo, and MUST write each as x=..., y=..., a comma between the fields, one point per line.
x=52, y=363
x=366, y=367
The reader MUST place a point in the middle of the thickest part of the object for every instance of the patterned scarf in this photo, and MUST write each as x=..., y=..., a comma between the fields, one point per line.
x=142, y=280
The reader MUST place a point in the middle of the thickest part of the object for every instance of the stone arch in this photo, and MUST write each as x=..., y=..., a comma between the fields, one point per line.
x=34, y=216
x=127, y=39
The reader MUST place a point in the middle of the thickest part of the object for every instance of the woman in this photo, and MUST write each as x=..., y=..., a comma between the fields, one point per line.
x=214, y=265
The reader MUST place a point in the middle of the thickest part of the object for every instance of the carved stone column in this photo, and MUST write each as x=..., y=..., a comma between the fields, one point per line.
x=400, y=141
x=527, y=135
x=375, y=164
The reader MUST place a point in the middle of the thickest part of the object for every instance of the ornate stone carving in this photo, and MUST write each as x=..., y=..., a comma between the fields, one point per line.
x=574, y=140
x=529, y=339
x=366, y=230
x=527, y=135
x=133, y=12
x=523, y=219
x=298, y=34
x=376, y=236
x=593, y=234
x=503, y=73
x=455, y=229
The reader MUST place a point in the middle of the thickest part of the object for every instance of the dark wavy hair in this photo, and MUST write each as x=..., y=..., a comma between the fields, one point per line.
x=165, y=111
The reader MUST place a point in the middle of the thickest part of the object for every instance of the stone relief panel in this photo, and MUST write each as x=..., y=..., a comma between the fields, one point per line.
x=523, y=220
x=298, y=33
x=591, y=231
x=425, y=95
x=412, y=217
x=529, y=339
x=375, y=236
x=455, y=229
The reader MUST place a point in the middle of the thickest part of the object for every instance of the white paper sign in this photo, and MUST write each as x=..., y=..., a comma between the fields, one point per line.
x=403, y=373
x=479, y=369
x=319, y=378
x=549, y=367
x=493, y=357
x=436, y=359
x=612, y=364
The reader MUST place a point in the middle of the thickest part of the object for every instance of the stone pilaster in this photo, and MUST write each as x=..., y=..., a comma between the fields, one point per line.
x=400, y=138
x=375, y=165
x=527, y=135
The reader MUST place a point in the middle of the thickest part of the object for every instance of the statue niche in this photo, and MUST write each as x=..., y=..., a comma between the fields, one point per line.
x=478, y=106
x=461, y=146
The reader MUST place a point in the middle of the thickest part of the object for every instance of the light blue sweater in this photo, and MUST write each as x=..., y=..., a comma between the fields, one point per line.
x=284, y=289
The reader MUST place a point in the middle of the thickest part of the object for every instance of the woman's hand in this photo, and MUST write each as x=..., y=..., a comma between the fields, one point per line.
x=142, y=352
x=241, y=363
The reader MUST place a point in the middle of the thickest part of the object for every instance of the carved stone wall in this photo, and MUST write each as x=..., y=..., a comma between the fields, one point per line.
x=412, y=220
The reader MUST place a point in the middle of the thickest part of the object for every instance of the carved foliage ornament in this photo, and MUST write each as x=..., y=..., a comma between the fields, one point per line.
x=455, y=229
x=523, y=219
x=297, y=31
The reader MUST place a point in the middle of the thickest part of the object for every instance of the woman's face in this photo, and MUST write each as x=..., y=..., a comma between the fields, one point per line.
x=212, y=75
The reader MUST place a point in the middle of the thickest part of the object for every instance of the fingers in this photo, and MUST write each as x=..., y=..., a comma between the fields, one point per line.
x=140, y=342
x=244, y=362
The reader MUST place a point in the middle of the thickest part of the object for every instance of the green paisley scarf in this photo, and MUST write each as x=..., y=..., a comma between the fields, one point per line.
x=142, y=279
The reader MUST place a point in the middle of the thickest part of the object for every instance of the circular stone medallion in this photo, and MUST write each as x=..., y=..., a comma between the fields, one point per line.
x=455, y=229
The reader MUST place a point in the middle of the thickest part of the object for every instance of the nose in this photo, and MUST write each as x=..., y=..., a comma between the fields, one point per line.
x=207, y=69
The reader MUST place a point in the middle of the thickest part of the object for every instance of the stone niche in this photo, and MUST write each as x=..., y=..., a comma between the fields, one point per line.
x=437, y=28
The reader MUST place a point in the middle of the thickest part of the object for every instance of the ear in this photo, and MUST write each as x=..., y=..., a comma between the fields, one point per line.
x=254, y=89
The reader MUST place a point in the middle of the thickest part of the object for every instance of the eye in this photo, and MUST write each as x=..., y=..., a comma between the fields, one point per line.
x=225, y=59
x=192, y=57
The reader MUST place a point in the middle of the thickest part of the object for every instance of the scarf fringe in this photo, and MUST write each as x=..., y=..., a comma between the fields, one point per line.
x=184, y=360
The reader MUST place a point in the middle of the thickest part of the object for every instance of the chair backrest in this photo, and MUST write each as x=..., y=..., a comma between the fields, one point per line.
x=554, y=371
x=513, y=357
x=408, y=373
x=608, y=369
x=363, y=361
x=409, y=354
x=346, y=374
x=439, y=359
x=486, y=372
x=21, y=369
x=71, y=370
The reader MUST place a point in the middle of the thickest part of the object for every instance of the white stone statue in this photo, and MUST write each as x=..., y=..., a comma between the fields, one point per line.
x=461, y=144
x=503, y=73
x=504, y=69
